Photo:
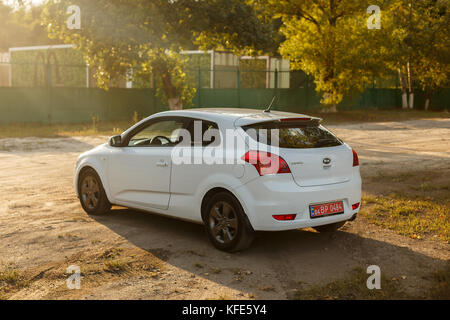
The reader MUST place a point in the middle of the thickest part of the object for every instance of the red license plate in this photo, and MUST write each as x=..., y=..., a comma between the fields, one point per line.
x=326, y=209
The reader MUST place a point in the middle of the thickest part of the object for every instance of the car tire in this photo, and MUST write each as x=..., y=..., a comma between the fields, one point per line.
x=329, y=227
x=226, y=223
x=92, y=195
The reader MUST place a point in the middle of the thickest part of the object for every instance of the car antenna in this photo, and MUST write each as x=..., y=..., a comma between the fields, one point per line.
x=271, y=104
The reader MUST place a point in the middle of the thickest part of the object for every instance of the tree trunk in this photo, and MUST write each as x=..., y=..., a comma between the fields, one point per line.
x=173, y=99
x=160, y=65
x=330, y=108
x=411, y=100
x=403, y=87
x=427, y=104
x=175, y=103
x=428, y=95
x=411, y=88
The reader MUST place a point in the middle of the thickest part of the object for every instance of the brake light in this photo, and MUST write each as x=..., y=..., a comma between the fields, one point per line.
x=266, y=162
x=355, y=206
x=355, y=159
x=285, y=217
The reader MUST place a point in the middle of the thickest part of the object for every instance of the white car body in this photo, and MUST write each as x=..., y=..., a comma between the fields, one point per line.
x=146, y=179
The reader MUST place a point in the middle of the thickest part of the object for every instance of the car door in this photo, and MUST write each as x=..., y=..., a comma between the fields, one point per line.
x=140, y=170
x=191, y=173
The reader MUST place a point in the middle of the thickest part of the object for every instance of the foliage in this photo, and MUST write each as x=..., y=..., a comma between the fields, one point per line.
x=118, y=36
x=432, y=44
x=416, y=41
x=236, y=25
x=147, y=36
x=330, y=41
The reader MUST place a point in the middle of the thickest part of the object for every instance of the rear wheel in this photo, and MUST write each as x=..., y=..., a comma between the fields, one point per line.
x=92, y=195
x=227, y=225
x=329, y=227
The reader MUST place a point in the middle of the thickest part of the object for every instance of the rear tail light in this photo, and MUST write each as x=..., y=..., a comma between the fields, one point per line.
x=355, y=159
x=355, y=206
x=266, y=162
x=285, y=217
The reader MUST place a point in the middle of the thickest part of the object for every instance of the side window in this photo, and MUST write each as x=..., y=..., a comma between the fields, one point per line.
x=207, y=135
x=162, y=133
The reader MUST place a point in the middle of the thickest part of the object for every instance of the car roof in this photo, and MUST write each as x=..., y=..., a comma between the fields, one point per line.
x=234, y=116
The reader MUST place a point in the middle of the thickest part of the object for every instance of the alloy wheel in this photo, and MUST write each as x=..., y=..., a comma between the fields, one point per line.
x=90, y=192
x=223, y=222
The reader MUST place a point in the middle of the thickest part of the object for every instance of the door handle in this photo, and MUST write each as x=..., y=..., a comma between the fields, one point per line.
x=162, y=164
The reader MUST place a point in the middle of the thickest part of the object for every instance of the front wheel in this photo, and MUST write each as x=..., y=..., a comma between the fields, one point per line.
x=92, y=195
x=227, y=225
x=329, y=227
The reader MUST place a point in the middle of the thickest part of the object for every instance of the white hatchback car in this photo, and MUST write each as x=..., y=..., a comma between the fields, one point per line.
x=237, y=171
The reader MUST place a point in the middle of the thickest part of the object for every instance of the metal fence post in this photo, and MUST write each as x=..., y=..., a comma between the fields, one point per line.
x=199, y=86
x=276, y=88
x=48, y=79
x=239, y=87
x=155, y=101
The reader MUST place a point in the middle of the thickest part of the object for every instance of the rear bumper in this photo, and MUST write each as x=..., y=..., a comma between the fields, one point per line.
x=274, y=195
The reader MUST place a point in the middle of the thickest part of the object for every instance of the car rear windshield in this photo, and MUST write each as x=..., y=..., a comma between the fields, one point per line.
x=293, y=135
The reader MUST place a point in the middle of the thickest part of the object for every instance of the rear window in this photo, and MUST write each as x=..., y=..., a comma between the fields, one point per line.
x=293, y=135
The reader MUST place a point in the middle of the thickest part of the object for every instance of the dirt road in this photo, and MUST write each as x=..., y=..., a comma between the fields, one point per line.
x=134, y=255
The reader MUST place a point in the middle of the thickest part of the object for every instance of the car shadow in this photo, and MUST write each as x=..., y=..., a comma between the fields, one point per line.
x=284, y=261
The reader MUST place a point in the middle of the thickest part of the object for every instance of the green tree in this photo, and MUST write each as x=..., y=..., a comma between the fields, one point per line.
x=431, y=46
x=417, y=45
x=116, y=36
x=330, y=41
x=235, y=25
x=120, y=36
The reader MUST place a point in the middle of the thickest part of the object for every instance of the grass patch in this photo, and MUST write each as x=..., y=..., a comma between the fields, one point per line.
x=413, y=217
x=116, y=265
x=351, y=288
x=11, y=280
x=216, y=270
x=112, y=261
x=25, y=130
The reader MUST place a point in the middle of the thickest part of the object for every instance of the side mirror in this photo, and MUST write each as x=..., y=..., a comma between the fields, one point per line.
x=115, y=141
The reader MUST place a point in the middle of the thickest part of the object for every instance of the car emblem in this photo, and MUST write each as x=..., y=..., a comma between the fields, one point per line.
x=327, y=161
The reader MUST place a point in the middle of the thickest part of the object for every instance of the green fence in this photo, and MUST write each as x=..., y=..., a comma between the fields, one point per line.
x=73, y=105
x=47, y=92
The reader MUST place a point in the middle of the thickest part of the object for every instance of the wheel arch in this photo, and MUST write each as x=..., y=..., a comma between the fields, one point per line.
x=88, y=165
x=215, y=190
